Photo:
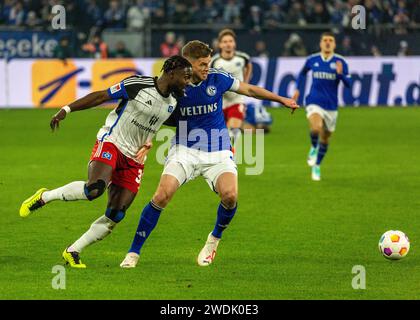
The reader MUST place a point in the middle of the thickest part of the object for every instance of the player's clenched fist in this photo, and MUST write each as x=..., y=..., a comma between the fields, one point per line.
x=290, y=103
x=142, y=153
x=339, y=67
x=55, y=120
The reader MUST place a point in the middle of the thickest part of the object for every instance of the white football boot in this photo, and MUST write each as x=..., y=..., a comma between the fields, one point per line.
x=207, y=254
x=130, y=260
x=316, y=173
x=313, y=152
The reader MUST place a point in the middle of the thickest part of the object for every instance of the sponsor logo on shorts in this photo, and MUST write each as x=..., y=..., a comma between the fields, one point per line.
x=106, y=155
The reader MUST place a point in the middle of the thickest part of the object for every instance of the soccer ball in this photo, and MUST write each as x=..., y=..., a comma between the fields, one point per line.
x=394, y=245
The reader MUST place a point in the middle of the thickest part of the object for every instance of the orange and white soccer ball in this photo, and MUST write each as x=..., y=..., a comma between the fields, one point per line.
x=394, y=245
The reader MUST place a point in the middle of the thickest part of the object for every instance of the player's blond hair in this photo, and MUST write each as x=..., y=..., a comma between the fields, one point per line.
x=226, y=32
x=196, y=49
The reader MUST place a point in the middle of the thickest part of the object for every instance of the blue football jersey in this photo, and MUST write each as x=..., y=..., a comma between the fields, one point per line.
x=201, y=123
x=325, y=80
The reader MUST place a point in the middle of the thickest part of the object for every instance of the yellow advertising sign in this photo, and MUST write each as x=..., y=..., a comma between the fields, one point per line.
x=53, y=83
x=106, y=73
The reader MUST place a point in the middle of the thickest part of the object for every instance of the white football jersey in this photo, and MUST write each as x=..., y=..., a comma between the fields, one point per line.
x=236, y=67
x=141, y=112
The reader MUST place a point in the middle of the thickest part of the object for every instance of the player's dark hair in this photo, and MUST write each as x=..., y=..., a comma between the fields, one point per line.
x=175, y=62
x=196, y=49
x=226, y=32
x=327, y=34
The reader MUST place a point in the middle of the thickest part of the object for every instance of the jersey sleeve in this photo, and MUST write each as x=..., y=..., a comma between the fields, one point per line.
x=345, y=77
x=302, y=75
x=245, y=56
x=228, y=82
x=126, y=89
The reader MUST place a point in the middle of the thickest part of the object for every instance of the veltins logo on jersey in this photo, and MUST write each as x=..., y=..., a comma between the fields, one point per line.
x=170, y=109
x=211, y=90
x=106, y=155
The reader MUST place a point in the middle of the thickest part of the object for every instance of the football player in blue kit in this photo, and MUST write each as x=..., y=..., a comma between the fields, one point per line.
x=328, y=70
x=201, y=147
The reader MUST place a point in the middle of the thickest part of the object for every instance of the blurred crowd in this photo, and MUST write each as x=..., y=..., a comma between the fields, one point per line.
x=252, y=14
x=90, y=17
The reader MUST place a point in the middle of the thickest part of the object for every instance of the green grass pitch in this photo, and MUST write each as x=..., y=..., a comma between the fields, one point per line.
x=291, y=238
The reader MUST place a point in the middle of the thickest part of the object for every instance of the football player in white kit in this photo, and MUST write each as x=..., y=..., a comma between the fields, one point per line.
x=117, y=160
x=238, y=64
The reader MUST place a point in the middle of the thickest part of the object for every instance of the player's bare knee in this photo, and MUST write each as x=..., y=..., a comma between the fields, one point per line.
x=229, y=198
x=161, y=198
x=324, y=140
x=95, y=190
x=317, y=129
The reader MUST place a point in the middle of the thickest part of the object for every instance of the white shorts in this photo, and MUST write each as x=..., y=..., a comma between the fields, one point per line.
x=196, y=163
x=329, y=116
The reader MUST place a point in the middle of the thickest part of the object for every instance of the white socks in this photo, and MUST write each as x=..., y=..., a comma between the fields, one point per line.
x=98, y=230
x=70, y=192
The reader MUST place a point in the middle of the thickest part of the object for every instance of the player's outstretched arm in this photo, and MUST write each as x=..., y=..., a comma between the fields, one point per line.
x=296, y=95
x=91, y=100
x=263, y=94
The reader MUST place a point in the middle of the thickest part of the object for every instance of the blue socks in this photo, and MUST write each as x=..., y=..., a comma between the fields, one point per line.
x=150, y=217
x=148, y=221
x=314, y=139
x=224, y=216
x=322, y=150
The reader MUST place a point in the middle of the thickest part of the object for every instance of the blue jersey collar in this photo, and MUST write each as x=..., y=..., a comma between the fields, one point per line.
x=326, y=60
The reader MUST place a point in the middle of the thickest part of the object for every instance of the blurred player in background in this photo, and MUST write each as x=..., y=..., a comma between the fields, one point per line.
x=328, y=69
x=238, y=64
x=117, y=160
x=257, y=117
